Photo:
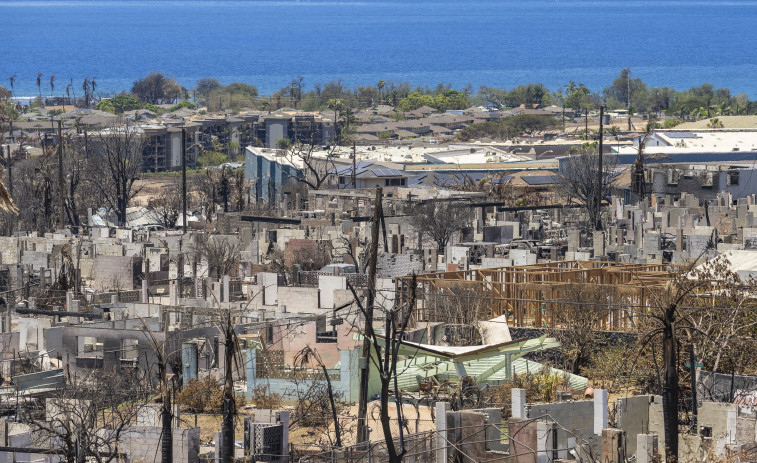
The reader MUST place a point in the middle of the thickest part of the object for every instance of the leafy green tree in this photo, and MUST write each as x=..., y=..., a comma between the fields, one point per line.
x=119, y=104
x=105, y=105
x=236, y=95
x=509, y=127
x=211, y=158
x=529, y=95
x=450, y=99
x=629, y=91
x=577, y=97
x=414, y=101
x=493, y=96
x=183, y=104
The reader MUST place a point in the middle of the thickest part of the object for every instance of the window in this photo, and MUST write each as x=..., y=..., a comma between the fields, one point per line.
x=732, y=178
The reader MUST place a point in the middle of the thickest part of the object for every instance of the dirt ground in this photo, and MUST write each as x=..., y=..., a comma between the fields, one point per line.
x=420, y=420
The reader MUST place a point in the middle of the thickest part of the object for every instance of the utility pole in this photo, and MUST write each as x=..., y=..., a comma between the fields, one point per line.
x=354, y=167
x=60, y=174
x=184, y=180
x=362, y=408
x=600, y=174
x=10, y=172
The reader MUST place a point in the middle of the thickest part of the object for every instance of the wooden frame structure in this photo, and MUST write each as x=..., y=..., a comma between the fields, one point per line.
x=532, y=295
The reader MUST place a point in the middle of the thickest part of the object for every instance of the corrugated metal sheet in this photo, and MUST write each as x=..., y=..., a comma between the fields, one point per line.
x=412, y=371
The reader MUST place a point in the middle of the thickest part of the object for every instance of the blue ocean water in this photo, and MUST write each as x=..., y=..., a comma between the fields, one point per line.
x=676, y=43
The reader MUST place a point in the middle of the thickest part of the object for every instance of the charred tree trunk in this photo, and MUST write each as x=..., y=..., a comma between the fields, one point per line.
x=670, y=387
x=229, y=407
x=166, y=438
x=386, y=421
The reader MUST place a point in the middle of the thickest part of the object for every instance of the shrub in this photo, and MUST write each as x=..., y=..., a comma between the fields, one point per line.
x=262, y=398
x=201, y=395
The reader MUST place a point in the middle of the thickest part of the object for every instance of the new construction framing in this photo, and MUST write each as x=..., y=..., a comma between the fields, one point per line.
x=534, y=295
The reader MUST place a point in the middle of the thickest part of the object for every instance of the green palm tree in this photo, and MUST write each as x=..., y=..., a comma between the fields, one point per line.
x=380, y=86
x=52, y=84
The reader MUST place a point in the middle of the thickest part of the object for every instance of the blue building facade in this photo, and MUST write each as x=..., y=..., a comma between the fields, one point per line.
x=268, y=172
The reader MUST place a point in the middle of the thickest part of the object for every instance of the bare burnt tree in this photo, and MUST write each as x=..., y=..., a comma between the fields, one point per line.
x=439, y=221
x=384, y=354
x=206, y=191
x=240, y=192
x=79, y=195
x=348, y=248
x=166, y=410
x=582, y=314
x=578, y=178
x=6, y=202
x=168, y=203
x=461, y=307
x=316, y=168
x=222, y=253
x=684, y=305
x=89, y=417
x=118, y=150
x=35, y=192
x=303, y=359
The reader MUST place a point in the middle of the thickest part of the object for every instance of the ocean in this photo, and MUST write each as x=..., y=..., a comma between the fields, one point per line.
x=500, y=43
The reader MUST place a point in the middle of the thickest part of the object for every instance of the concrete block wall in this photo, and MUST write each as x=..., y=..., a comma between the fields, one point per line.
x=115, y=250
x=523, y=439
x=142, y=443
x=494, y=262
x=657, y=423
x=577, y=416
x=298, y=299
x=633, y=417
x=36, y=260
x=328, y=285
x=112, y=271
x=722, y=418
x=391, y=265
x=8, y=250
